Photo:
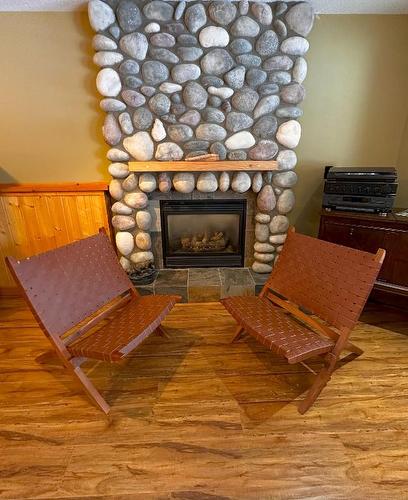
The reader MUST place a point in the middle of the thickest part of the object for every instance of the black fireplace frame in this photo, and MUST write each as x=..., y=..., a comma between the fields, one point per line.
x=213, y=259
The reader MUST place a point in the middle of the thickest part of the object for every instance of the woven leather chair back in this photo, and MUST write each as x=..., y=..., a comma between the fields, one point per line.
x=66, y=285
x=331, y=281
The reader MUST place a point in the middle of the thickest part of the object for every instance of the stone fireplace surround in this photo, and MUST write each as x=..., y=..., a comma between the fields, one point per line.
x=182, y=79
x=137, y=219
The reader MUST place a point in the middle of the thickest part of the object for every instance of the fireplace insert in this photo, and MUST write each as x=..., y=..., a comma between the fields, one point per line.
x=203, y=233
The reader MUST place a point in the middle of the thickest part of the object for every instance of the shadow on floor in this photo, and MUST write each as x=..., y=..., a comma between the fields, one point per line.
x=260, y=382
x=387, y=317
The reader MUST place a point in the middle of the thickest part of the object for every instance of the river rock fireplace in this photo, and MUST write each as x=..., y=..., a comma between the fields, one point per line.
x=182, y=80
x=203, y=233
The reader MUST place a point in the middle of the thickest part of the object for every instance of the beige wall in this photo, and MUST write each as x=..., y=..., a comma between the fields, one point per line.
x=355, y=112
x=50, y=120
x=356, y=105
x=402, y=199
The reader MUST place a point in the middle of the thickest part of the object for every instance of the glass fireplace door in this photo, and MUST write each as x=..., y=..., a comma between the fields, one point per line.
x=203, y=233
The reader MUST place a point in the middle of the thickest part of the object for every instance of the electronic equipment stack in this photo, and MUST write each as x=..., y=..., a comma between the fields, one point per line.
x=358, y=189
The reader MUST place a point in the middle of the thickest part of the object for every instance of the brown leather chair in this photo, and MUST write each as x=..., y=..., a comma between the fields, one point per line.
x=83, y=283
x=331, y=282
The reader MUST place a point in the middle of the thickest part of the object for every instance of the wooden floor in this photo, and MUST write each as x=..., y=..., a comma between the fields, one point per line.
x=196, y=418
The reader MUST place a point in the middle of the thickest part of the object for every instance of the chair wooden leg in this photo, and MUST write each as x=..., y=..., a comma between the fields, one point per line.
x=90, y=389
x=333, y=362
x=160, y=330
x=239, y=333
x=353, y=348
x=318, y=385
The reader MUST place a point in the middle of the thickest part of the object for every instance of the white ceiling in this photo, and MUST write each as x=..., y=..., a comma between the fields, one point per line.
x=321, y=6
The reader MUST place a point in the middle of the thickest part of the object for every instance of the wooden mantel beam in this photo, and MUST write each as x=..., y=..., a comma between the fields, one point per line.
x=202, y=166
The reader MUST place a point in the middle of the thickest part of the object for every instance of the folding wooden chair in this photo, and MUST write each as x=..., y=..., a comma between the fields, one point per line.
x=331, y=282
x=84, y=281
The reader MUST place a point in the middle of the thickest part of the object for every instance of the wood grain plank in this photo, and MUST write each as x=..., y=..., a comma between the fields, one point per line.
x=73, y=187
x=34, y=221
x=195, y=417
x=202, y=166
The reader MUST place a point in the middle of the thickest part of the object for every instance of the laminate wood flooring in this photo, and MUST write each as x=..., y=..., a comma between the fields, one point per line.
x=194, y=417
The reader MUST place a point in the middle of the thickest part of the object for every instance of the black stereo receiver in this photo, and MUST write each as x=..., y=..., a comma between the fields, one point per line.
x=371, y=189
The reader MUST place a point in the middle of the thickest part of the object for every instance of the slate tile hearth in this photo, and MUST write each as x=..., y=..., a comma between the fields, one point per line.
x=205, y=285
x=172, y=282
x=236, y=282
x=171, y=278
x=259, y=280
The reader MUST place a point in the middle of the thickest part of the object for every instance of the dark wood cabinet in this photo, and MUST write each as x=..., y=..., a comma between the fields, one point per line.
x=369, y=232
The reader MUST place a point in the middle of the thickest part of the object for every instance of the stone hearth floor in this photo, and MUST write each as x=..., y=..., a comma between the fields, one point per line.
x=205, y=284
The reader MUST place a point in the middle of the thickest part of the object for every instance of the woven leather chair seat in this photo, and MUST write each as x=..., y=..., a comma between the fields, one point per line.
x=87, y=306
x=330, y=281
x=277, y=330
x=132, y=323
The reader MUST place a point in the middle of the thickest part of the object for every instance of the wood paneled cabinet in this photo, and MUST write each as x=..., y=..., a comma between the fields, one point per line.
x=369, y=232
